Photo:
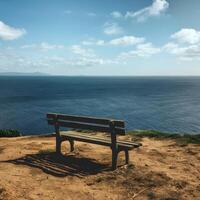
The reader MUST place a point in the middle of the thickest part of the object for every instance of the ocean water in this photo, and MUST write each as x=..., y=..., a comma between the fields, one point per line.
x=170, y=104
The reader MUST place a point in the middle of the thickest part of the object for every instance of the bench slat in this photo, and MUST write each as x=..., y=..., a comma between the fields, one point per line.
x=85, y=119
x=135, y=144
x=96, y=140
x=78, y=125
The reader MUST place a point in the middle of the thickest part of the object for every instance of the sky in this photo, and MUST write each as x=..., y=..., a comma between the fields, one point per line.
x=100, y=37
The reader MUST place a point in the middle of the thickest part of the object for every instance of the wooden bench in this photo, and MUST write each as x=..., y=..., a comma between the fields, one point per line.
x=114, y=127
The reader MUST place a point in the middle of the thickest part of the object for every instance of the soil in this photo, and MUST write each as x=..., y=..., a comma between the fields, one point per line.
x=160, y=169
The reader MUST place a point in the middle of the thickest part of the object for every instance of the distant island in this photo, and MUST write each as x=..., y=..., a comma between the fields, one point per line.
x=23, y=74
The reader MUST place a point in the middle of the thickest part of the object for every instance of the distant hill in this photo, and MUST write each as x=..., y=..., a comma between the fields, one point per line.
x=23, y=74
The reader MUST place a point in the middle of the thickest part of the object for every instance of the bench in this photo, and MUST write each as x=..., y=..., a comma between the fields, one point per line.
x=114, y=127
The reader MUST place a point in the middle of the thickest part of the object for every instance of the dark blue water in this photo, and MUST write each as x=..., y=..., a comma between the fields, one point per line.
x=170, y=104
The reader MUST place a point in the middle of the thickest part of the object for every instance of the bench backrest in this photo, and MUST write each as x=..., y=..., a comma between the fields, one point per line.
x=87, y=123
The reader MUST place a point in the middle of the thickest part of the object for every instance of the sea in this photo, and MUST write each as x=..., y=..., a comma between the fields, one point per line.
x=168, y=104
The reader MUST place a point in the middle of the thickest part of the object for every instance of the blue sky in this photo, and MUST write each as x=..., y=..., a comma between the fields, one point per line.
x=107, y=37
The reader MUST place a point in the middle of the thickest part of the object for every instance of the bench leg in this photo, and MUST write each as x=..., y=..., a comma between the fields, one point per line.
x=114, y=159
x=58, y=145
x=126, y=156
x=71, y=145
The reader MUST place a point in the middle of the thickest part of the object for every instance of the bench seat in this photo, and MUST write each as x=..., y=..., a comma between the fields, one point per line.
x=98, y=140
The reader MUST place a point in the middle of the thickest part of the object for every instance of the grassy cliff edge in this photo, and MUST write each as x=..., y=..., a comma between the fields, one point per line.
x=136, y=134
x=9, y=133
x=180, y=138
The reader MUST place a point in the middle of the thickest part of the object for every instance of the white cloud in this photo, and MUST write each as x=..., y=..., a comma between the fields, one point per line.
x=15, y=62
x=112, y=29
x=121, y=41
x=87, y=53
x=171, y=47
x=189, y=52
x=44, y=46
x=187, y=35
x=185, y=45
x=82, y=57
x=116, y=14
x=55, y=64
x=127, y=40
x=155, y=9
x=56, y=59
x=10, y=33
x=142, y=50
x=87, y=57
x=27, y=46
x=93, y=42
x=83, y=61
x=87, y=62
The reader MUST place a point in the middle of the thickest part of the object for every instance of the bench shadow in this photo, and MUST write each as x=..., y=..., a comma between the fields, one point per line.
x=61, y=165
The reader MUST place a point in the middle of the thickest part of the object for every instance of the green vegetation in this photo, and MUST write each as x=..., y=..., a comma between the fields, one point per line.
x=9, y=133
x=182, y=139
x=150, y=133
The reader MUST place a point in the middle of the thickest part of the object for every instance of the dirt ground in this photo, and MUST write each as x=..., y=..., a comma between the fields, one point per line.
x=160, y=169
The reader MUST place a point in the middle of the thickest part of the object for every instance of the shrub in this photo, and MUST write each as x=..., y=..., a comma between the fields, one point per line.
x=9, y=133
x=182, y=139
x=149, y=133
